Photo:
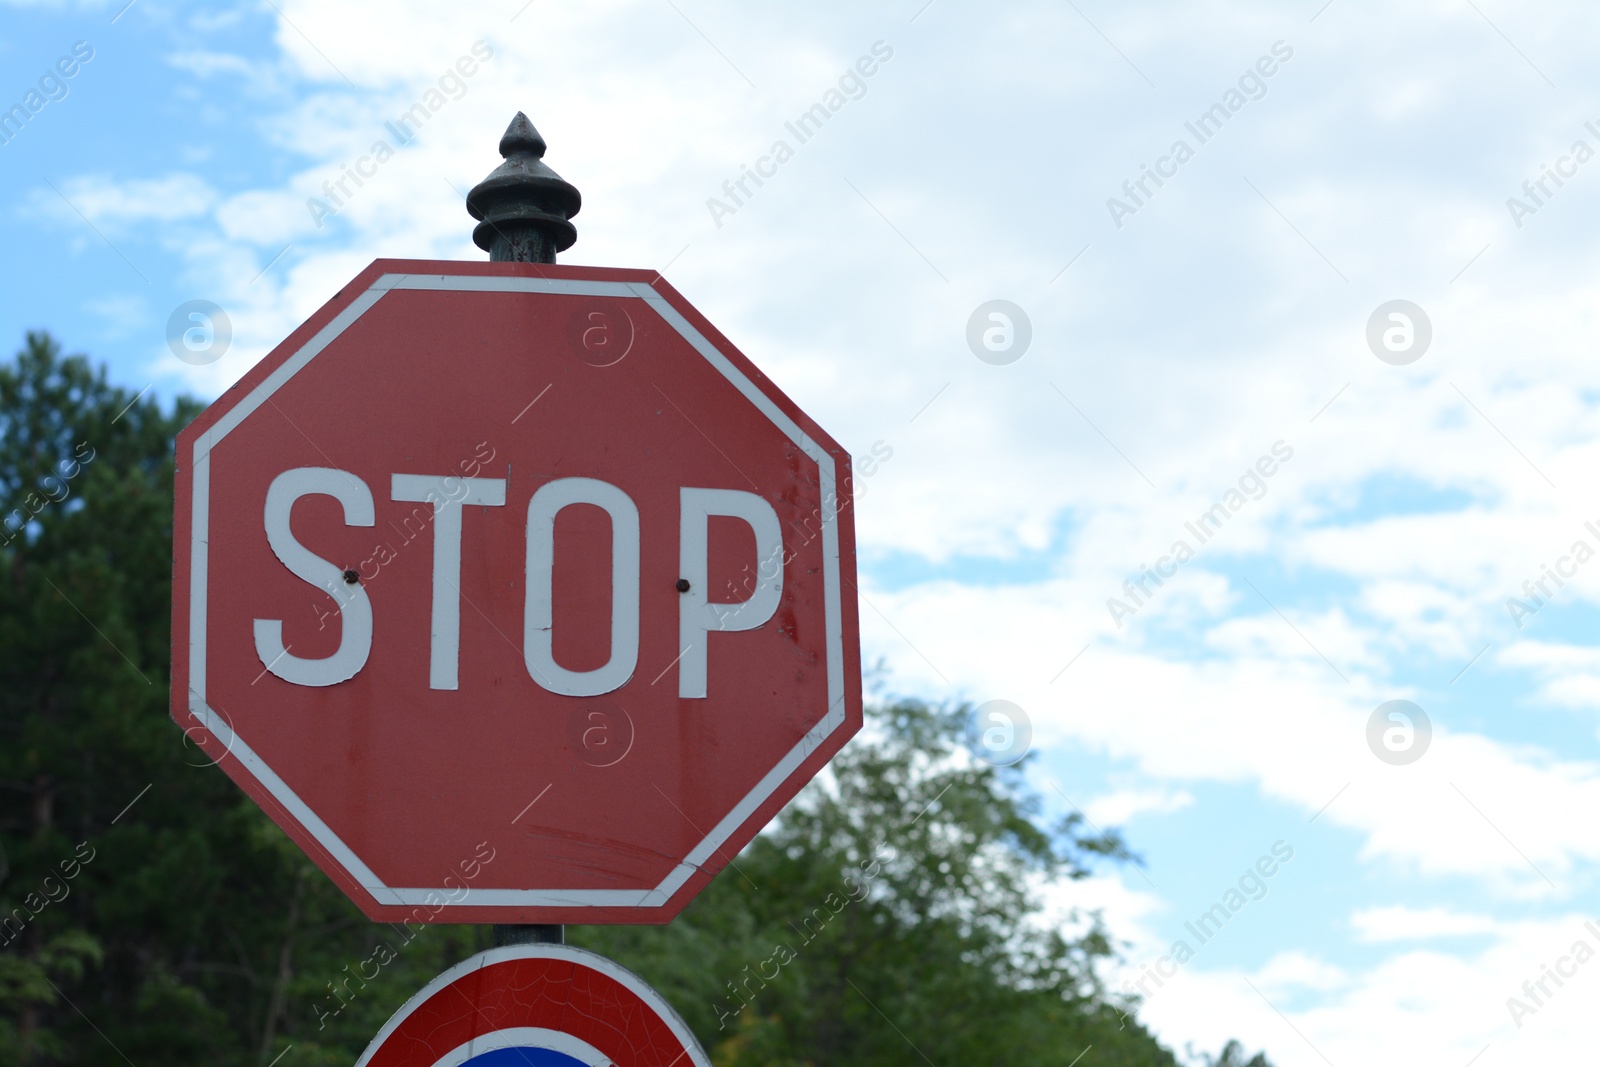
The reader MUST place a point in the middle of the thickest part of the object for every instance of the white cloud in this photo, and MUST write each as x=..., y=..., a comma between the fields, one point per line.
x=1398, y=922
x=1275, y=716
x=122, y=314
x=105, y=201
x=1416, y=1006
x=1294, y=972
x=1117, y=808
x=1175, y=352
x=204, y=64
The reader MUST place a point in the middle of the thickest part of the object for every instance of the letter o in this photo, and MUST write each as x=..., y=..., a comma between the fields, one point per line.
x=538, y=622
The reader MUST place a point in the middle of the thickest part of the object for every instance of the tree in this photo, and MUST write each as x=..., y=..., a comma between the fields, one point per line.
x=892, y=912
x=149, y=912
x=1233, y=1055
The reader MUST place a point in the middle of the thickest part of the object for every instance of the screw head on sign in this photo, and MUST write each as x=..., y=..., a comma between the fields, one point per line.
x=682, y=585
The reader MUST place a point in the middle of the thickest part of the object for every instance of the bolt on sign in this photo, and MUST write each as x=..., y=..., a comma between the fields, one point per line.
x=514, y=593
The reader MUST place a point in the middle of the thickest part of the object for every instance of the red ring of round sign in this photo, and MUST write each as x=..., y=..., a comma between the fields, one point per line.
x=536, y=1006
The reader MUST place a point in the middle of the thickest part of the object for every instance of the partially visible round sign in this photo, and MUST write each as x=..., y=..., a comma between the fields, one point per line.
x=535, y=1006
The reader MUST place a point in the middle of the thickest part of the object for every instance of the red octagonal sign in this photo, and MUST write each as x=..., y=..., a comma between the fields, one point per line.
x=514, y=593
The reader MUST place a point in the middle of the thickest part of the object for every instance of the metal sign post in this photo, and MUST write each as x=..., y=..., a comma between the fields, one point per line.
x=524, y=210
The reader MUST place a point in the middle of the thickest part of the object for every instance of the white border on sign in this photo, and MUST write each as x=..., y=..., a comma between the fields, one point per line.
x=577, y=956
x=300, y=811
x=521, y=1037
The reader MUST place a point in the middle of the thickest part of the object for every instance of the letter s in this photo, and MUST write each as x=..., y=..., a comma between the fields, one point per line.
x=355, y=638
x=882, y=51
x=83, y=50
x=1282, y=451
x=1284, y=852
x=1282, y=51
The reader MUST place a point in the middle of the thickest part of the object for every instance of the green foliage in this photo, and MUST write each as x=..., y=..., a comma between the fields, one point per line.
x=891, y=912
x=150, y=913
x=190, y=930
x=1233, y=1055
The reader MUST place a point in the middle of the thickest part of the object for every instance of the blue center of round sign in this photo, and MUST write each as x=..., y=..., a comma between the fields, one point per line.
x=524, y=1057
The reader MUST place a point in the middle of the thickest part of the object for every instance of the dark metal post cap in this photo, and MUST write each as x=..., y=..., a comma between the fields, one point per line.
x=523, y=194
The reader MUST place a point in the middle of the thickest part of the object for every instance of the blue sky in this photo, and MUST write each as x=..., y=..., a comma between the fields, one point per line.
x=1169, y=352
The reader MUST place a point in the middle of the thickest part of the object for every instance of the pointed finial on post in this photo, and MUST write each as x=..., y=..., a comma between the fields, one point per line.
x=523, y=207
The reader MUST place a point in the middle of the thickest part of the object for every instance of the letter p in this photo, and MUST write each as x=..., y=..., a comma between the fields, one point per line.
x=697, y=615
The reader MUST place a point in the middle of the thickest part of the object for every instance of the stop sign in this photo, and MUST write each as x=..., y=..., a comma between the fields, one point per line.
x=514, y=593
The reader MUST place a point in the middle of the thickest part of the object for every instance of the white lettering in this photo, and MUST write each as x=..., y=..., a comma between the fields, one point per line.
x=448, y=496
x=538, y=618
x=355, y=610
x=697, y=616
